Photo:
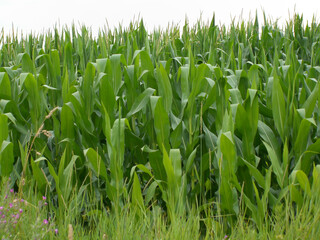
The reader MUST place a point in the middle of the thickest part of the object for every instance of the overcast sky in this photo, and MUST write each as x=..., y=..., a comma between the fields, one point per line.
x=39, y=15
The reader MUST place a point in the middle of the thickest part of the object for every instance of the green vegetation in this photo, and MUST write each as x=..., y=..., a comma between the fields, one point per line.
x=205, y=132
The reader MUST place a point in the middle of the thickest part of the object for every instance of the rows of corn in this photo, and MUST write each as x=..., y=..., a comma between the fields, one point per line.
x=222, y=119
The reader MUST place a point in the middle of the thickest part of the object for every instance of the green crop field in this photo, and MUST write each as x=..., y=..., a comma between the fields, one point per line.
x=198, y=132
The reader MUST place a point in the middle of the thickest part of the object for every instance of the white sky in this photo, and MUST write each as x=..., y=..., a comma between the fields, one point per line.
x=40, y=15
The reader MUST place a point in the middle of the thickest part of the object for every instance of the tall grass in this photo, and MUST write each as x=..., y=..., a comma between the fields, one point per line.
x=284, y=222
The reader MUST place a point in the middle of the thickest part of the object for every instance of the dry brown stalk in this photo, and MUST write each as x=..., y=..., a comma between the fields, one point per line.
x=70, y=232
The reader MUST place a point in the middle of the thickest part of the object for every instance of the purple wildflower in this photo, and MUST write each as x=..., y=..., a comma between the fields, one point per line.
x=56, y=231
x=44, y=198
x=45, y=221
x=20, y=210
x=11, y=190
x=10, y=205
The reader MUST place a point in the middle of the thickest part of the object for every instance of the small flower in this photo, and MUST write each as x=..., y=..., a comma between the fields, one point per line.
x=20, y=210
x=10, y=205
x=1, y=207
x=17, y=216
x=225, y=237
x=45, y=221
x=3, y=216
x=6, y=196
x=45, y=203
x=11, y=190
x=4, y=221
x=44, y=198
x=56, y=231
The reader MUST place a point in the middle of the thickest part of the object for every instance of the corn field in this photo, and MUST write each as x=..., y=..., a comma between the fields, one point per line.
x=221, y=119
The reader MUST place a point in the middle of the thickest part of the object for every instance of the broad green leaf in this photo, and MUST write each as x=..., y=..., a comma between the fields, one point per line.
x=285, y=162
x=309, y=104
x=65, y=180
x=107, y=96
x=55, y=59
x=268, y=136
x=260, y=207
x=303, y=181
x=137, y=199
x=68, y=67
x=175, y=157
x=196, y=86
x=243, y=84
x=190, y=161
x=300, y=176
x=275, y=163
x=78, y=108
x=226, y=196
x=156, y=163
x=176, y=136
x=115, y=71
x=101, y=65
x=3, y=128
x=141, y=101
x=210, y=138
x=144, y=169
x=38, y=176
x=65, y=88
x=278, y=107
x=253, y=76
x=67, y=122
x=235, y=96
x=172, y=184
x=6, y=158
x=305, y=161
x=301, y=141
x=5, y=86
x=96, y=162
x=27, y=64
x=255, y=173
x=165, y=90
x=150, y=192
x=185, y=91
x=211, y=98
x=87, y=88
x=161, y=126
x=31, y=86
x=229, y=160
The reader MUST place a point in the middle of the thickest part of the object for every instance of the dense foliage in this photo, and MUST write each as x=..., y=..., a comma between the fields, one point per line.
x=224, y=120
